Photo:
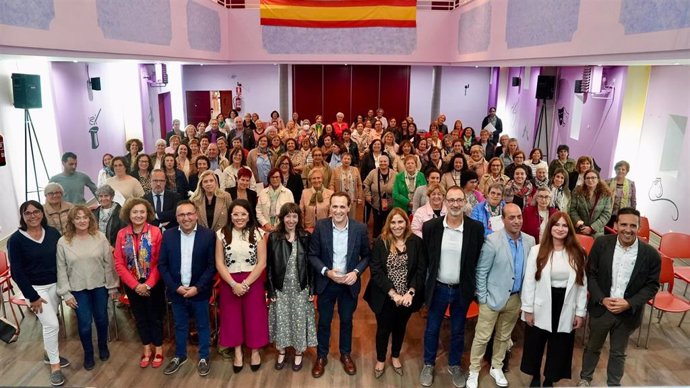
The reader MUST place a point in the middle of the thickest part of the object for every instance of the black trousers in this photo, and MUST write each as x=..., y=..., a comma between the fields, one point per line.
x=379, y=221
x=149, y=312
x=391, y=321
x=559, y=354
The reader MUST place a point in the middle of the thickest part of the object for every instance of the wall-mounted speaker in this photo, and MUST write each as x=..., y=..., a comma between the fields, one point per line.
x=26, y=90
x=578, y=86
x=96, y=83
x=516, y=81
x=545, y=87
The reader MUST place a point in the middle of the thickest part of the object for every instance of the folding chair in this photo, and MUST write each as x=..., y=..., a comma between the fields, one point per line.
x=665, y=300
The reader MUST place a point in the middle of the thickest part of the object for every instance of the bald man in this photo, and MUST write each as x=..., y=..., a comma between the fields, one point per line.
x=500, y=272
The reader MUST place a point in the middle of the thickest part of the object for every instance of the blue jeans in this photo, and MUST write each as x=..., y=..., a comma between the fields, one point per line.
x=346, y=309
x=92, y=305
x=181, y=313
x=444, y=296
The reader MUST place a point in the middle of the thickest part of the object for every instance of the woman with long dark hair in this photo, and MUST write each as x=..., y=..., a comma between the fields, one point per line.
x=240, y=261
x=290, y=287
x=554, y=301
x=591, y=205
x=394, y=291
x=453, y=174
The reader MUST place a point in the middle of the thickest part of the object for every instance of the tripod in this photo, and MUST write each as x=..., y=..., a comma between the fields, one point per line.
x=543, y=122
x=29, y=130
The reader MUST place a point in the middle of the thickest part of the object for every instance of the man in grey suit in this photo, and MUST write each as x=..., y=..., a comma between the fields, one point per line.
x=500, y=272
x=622, y=275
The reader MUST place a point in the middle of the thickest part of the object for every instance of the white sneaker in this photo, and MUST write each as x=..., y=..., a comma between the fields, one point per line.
x=472, y=380
x=499, y=377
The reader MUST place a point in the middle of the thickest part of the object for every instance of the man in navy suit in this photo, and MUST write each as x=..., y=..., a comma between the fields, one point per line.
x=164, y=201
x=187, y=266
x=339, y=253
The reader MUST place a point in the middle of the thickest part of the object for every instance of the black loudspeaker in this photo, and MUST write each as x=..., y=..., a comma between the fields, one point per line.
x=578, y=86
x=545, y=87
x=516, y=81
x=96, y=83
x=26, y=89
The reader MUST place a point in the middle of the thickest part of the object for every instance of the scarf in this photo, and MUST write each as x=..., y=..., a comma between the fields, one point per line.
x=317, y=197
x=625, y=200
x=273, y=197
x=138, y=258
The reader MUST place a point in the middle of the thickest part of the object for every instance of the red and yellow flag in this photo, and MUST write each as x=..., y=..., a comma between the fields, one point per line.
x=339, y=14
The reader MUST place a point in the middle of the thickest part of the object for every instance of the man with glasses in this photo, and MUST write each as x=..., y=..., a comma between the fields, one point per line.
x=500, y=272
x=187, y=266
x=163, y=201
x=73, y=181
x=453, y=243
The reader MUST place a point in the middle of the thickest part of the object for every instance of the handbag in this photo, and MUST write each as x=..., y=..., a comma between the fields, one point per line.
x=8, y=331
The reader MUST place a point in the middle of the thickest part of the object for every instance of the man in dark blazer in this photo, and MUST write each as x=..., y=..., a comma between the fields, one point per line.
x=622, y=275
x=339, y=253
x=453, y=245
x=187, y=266
x=163, y=201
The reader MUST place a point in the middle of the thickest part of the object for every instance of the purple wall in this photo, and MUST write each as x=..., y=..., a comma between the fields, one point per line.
x=493, y=87
x=600, y=117
x=518, y=115
x=73, y=111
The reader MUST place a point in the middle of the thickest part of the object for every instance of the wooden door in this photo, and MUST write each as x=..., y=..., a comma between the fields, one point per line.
x=198, y=106
x=226, y=102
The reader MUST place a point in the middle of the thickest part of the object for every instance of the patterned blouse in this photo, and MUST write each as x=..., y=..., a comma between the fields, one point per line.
x=397, y=271
x=240, y=254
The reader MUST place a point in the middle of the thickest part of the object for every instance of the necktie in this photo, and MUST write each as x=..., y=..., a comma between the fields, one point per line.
x=159, y=204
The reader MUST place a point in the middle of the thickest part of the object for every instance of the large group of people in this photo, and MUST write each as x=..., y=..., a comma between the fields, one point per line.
x=268, y=211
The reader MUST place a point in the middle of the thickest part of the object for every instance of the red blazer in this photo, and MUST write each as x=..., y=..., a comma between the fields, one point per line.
x=121, y=261
x=531, y=221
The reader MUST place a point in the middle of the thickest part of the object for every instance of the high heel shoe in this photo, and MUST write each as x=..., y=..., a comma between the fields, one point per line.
x=255, y=367
x=379, y=372
x=237, y=369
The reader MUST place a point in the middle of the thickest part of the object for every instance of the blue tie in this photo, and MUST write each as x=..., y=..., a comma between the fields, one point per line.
x=159, y=204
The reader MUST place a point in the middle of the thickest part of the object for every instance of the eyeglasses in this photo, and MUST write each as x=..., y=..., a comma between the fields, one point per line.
x=455, y=200
x=32, y=213
x=158, y=180
x=285, y=164
x=591, y=178
x=52, y=193
x=543, y=197
x=186, y=215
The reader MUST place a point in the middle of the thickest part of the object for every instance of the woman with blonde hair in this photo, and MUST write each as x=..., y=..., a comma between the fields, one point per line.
x=623, y=189
x=476, y=161
x=346, y=179
x=493, y=175
x=211, y=200
x=394, y=291
x=315, y=201
x=86, y=275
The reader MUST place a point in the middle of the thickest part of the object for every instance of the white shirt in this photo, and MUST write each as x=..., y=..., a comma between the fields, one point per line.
x=623, y=264
x=451, y=254
x=340, y=248
x=186, y=250
x=560, y=269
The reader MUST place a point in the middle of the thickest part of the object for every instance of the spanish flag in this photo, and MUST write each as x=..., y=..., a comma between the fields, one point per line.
x=339, y=26
x=339, y=14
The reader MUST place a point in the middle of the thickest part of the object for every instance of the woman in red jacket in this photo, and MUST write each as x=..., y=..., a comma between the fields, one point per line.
x=535, y=216
x=136, y=262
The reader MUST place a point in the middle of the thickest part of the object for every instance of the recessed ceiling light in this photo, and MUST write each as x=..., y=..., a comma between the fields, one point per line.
x=75, y=61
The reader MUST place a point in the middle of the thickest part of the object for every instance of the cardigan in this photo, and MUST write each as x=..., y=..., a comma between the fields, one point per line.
x=85, y=264
x=33, y=263
x=597, y=217
x=401, y=193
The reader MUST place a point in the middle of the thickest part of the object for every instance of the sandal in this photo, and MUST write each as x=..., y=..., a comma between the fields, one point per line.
x=280, y=361
x=145, y=361
x=157, y=361
x=297, y=366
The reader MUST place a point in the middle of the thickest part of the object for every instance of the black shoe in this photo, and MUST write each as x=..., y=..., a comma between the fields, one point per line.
x=237, y=369
x=254, y=368
x=203, y=367
x=64, y=363
x=536, y=382
x=57, y=378
x=104, y=355
x=174, y=365
x=89, y=363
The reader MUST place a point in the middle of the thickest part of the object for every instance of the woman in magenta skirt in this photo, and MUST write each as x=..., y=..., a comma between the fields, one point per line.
x=240, y=261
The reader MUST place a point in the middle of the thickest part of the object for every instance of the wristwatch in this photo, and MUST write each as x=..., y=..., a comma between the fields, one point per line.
x=147, y=287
